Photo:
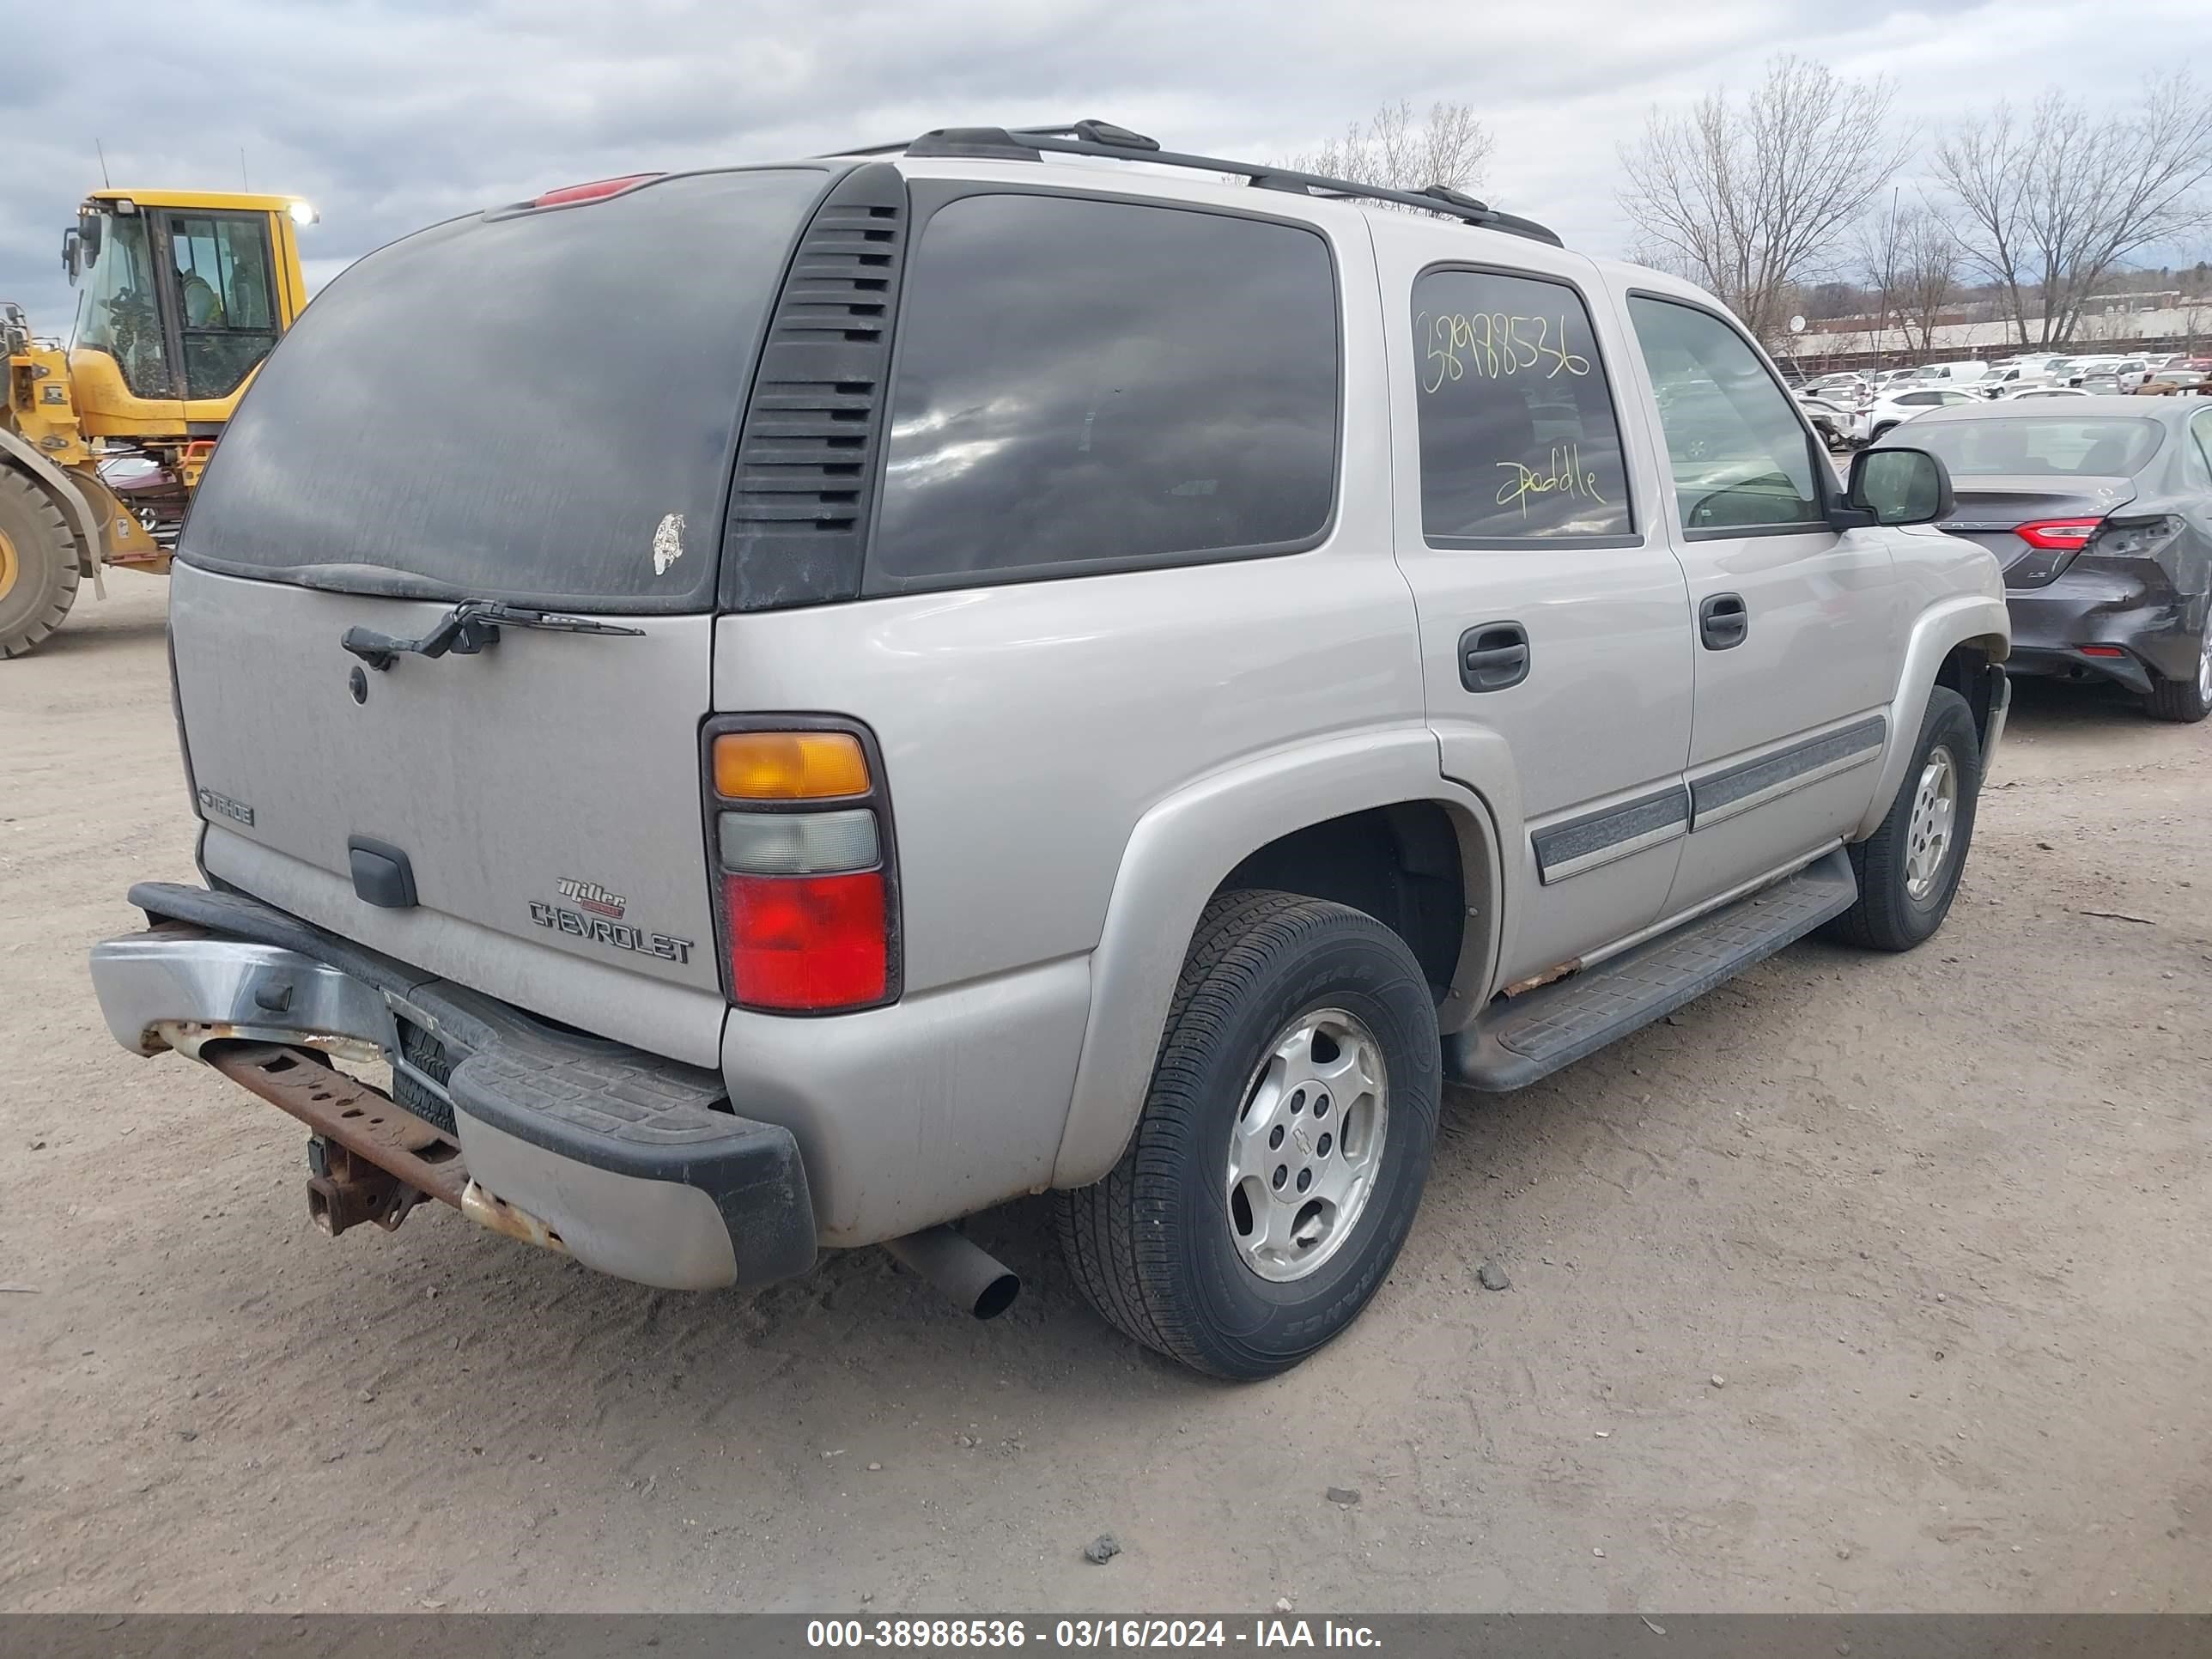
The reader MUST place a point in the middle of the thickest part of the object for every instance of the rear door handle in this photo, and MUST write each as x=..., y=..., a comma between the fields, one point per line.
x=1722, y=621
x=1493, y=656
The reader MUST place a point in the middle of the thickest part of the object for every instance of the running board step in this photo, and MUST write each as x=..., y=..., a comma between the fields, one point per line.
x=1516, y=1042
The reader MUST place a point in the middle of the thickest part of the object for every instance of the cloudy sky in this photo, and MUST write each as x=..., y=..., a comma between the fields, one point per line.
x=390, y=114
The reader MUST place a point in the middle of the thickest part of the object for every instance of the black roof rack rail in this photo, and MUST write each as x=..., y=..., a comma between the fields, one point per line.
x=1103, y=138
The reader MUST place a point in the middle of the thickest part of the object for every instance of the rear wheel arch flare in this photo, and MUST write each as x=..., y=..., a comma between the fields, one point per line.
x=1181, y=854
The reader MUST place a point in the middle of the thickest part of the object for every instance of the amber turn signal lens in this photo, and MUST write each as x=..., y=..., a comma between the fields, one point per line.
x=789, y=765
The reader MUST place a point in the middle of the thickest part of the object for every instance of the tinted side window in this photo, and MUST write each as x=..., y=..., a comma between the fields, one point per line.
x=1517, y=433
x=1742, y=458
x=1086, y=385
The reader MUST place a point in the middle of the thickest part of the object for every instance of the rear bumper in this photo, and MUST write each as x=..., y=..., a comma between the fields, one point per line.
x=2155, y=627
x=2069, y=663
x=637, y=1164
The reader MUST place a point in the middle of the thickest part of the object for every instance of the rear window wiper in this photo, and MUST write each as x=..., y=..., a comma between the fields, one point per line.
x=466, y=629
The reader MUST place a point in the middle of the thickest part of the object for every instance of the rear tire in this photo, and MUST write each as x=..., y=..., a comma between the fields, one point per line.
x=1166, y=1246
x=1906, y=882
x=2185, y=702
x=38, y=565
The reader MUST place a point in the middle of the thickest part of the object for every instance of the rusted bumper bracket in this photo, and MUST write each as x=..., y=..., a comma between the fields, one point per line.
x=377, y=1160
x=368, y=1135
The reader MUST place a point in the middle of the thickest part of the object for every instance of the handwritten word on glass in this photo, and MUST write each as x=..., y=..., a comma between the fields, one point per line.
x=1491, y=345
x=1562, y=474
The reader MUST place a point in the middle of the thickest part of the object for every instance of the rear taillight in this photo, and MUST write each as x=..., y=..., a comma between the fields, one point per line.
x=2052, y=544
x=800, y=831
x=2059, y=535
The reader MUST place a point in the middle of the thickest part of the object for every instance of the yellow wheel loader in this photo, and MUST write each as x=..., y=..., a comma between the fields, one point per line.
x=180, y=295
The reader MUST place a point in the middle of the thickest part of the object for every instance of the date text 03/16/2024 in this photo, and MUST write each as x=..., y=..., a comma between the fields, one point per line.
x=947, y=1634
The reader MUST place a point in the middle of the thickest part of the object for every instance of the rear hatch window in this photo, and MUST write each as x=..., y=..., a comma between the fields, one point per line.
x=538, y=406
x=2037, y=445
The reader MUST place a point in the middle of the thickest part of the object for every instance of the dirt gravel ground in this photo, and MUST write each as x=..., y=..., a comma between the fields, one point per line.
x=1863, y=1282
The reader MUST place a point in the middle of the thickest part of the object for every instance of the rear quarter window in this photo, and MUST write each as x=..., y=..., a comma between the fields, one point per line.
x=539, y=407
x=1084, y=384
x=1518, y=437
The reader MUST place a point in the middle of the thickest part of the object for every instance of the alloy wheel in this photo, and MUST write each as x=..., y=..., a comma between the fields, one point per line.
x=1306, y=1148
x=1934, y=811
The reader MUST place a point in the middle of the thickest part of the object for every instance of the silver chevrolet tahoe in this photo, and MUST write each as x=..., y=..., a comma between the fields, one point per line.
x=750, y=711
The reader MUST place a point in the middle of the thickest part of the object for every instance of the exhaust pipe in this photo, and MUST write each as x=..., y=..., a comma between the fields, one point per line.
x=977, y=1280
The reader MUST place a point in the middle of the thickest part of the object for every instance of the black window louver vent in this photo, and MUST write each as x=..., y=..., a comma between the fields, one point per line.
x=798, y=503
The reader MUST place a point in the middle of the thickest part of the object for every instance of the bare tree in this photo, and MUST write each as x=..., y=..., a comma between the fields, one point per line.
x=1910, y=258
x=1927, y=277
x=1396, y=152
x=1881, y=258
x=2052, y=201
x=1751, y=195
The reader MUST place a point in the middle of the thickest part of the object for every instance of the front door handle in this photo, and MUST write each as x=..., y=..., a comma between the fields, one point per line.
x=1722, y=621
x=1493, y=656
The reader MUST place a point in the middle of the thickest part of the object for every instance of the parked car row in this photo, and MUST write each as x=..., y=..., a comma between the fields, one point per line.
x=1852, y=409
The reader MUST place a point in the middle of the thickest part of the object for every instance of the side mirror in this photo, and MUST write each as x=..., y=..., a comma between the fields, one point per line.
x=1899, y=486
x=69, y=249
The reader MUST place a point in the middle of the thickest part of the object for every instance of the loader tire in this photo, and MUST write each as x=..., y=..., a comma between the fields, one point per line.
x=38, y=565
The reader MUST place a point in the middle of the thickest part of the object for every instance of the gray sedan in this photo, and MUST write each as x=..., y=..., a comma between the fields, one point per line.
x=2099, y=509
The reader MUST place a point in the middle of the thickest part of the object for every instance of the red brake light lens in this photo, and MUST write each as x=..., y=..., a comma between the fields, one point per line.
x=2059, y=535
x=807, y=942
x=597, y=190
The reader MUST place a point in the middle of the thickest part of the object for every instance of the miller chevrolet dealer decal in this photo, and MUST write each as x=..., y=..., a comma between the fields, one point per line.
x=597, y=918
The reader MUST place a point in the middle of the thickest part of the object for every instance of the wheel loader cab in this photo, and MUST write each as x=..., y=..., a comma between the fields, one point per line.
x=180, y=295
